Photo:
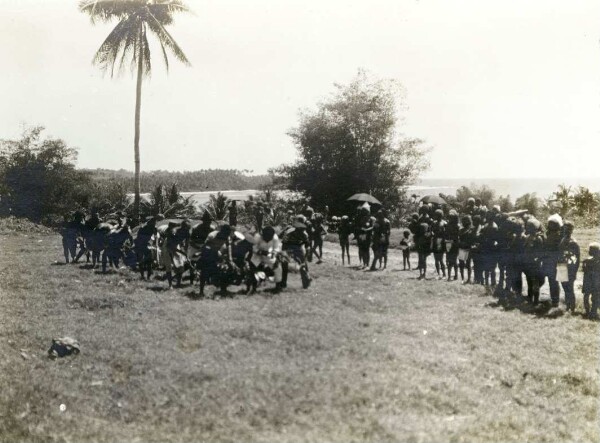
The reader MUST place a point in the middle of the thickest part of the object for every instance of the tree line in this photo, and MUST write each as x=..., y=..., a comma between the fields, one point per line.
x=187, y=181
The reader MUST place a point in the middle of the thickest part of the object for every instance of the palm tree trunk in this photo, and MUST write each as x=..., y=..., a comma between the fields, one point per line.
x=136, y=140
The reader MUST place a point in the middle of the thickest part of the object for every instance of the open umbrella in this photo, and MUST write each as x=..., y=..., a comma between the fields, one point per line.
x=362, y=197
x=435, y=199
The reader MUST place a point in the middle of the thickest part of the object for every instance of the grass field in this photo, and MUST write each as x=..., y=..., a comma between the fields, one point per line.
x=360, y=356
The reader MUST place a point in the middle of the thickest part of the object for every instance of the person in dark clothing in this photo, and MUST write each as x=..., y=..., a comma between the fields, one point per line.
x=199, y=233
x=381, y=239
x=422, y=238
x=476, y=256
x=294, y=243
x=502, y=253
x=438, y=231
x=216, y=248
x=143, y=246
x=405, y=246
x=87, y=233
x=569, y=256
x=469, y=208
x=466, y=240
x=551, y=256
x=591, y=281
x=344, y=231
x=363, y=234
x=451, y=234
x=489, y=248
x=515, y=262
x=71, y=231
x=533, y=254
x=319, y=233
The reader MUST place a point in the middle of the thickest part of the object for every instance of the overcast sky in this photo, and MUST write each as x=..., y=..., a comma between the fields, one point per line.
x=497, y=88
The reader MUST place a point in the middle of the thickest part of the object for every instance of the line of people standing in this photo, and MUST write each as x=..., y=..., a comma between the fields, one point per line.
x=496, y=249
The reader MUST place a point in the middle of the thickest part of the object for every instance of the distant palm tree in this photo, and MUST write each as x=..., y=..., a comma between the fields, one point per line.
x=129, y=41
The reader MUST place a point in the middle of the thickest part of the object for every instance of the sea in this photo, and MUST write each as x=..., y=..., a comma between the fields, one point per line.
x=514, y=188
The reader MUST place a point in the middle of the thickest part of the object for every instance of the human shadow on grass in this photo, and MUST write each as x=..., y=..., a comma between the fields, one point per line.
x=510, y=301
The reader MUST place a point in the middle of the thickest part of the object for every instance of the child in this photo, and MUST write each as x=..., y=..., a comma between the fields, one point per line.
x=591, y=281
x=405, y=246
x=344, y=232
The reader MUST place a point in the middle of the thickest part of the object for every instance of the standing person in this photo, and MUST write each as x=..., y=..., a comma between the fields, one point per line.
x=310, y=230
x=502, y=248
x=233, y=214
x=569, y=256
x=319, y=233
x=71, y=231
x=552, y=255
x=476, y=255
x=143, y=246
x=489, y=250
x=451, y=235
x=294, y=243
x=363, y=234
x=381, y=239
x=405, y=246
x=344, y=231
x=533, y=254
x=591, y=281
x=466, y=240
x=515, y=266
x=422, y=240
x=438, y=231
x=469, y=208
x=259, y=215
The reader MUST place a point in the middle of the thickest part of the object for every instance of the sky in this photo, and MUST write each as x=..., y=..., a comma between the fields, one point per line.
x=497, y=89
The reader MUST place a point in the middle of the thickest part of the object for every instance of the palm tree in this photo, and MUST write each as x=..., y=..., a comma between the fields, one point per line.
x=128, y=41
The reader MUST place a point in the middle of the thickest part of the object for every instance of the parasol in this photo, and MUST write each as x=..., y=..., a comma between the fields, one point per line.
x=362, y=197
x=435, y=199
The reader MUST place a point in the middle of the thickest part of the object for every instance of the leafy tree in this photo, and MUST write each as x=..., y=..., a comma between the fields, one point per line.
x=38, y=179
x=484, y=192
x=129, y=41
x=562, y=199
x=350, y=144
x=505, y=203
x=529, y=201
x=586, y=203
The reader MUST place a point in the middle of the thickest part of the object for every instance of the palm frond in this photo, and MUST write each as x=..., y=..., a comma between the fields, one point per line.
x=119, y=41
x=165, y=38
x=108, y=10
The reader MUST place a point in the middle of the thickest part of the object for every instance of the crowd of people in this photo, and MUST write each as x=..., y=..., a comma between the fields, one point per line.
x=486, y=247
x=217, y=253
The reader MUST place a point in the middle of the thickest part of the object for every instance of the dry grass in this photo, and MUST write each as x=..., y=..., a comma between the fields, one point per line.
x=360, y=356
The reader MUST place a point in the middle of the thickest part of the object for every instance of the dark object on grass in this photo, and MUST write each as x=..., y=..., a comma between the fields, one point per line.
x=362, y=197
x=61, y=347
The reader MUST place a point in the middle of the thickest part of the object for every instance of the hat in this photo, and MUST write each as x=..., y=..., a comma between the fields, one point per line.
x=366, y=206
x=471, y=200
x=594, y=249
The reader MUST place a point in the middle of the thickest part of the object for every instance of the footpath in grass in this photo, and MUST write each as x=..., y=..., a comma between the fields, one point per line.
x=360, y=356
